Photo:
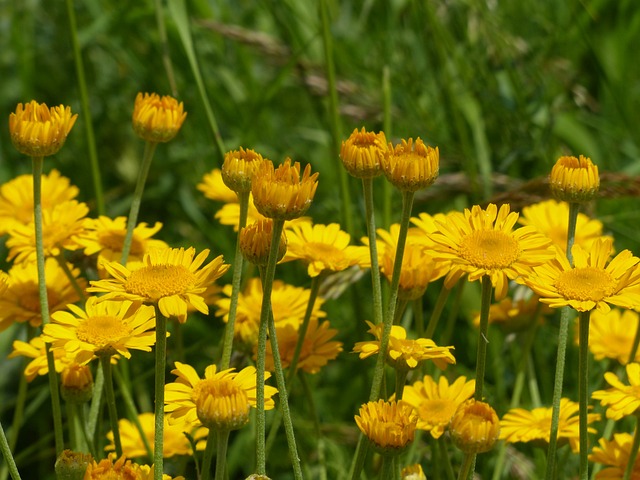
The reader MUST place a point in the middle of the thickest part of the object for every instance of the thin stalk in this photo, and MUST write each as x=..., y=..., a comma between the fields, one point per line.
x=467, y=465
x=44, y=302
x=96, y=400
x=18, y=413
x=164, y=44
x=636, y=343
x=208, y=456
x=161, y=359
x=67, y=271
x=418, y=316
x=105, y=363
x=445, y=458
x=227, y=345
x=132, y=411
x=86, y=111
x=583, y=393
x=308, y=394
x=633, y=453
x=221, y=454
x=401, y=379
x=437, y=311
x=85, y=434
x=386, y=127
x=481, y=358
x=8, y=456
x=386, y=470
x=147, y=156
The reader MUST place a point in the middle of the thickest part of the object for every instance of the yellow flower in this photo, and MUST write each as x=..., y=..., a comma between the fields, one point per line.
x=593, y=282
x=220, y=400
x=402, y=352
x=214, y=188
x=322, y=247
x=239, y=167
x=280, y=192
x=36, y=350
x=70, y=464
x=363, y=152
x=550, y=218
x=474, y=427
x=255, y=242
x=317, y=347
x=389, y=426
x=40, y=131
x=16, y=198
x=521, y=425
x=4, y=280
x=157, y=119
x=288, y=303
x=411, y=166
x=436, y=402
x=229, y=214
x=175, y=440
x=21, y=301
x=611, y=334
x=102, y=328
x=621, y=400
x=76, y=383
x=413, y=472
x=615, y=454
x=481, y=242
x=170, y=277
x=60, y=227
x=121, y=469
x=574, y=179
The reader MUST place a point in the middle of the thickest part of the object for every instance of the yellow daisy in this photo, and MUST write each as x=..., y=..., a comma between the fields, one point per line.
x=255, y=242
x=16, y=198
x=574, y=179
x=411, y=165
x=436, y=402
x=76, y=383
x=121, y=469
x=214, y=188
x=219, y=400
x=363, y=152
x=21, y=301
x=521, y=425
x=474, y=427
x=389, y=426
x=611, y=334
x=229, y=214
x=615, y=455
x=402, y=352
x=102, y=328
x=36, y=350
x=157, y=119
x=621, y=400
x=239, y=167
x=593, y=282
x=170, y=277
x=482, y=242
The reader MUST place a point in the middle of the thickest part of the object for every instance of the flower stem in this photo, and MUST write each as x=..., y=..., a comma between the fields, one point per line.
x=386, y=470
x=96, y=400
x=105, y=363
x=481, y=358
x=636, y=343
x=67, y=271
x=166, y=58
x=386, y=126
x=437, y=311
x=633, y=453
x=467, y=464
x=583, y=391
x=44, y=301
x=401, y=379
x=308, y=393
x=8, y=457
x=221, y=454
x=161, y=359
x=445, y=458
x=227, y=346
x=147, y=156
x=208, y=456
x=132, y=411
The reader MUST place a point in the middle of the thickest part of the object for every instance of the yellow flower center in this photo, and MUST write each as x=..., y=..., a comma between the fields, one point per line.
x=114, y=240
x=489, y=249
x=29, y=300
x=587, y=283
x=221, y=404
x=437, y=411
x=158, y=281
x=325, y=252
x=102, y=331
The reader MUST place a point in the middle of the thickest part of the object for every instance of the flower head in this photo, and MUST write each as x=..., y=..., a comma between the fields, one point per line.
x=481, y=242
x=362, y=153
x=280, y=192
x=474, y=427
x=621, y=400
x=593, y=281
x=157, y=119
x=389, y=426
x=615, y=454
x=413, y=472
x=170, y=277
x=121, y=469
x=40, y=131
x=239, y=167
x=411, y=165
x=255, y=242
x=611, y=334
x=76, y=383
x=437, y=401
x=36, y=350
x=214, y=188
x=574, y=179
x=101, y=329
x=72, y=465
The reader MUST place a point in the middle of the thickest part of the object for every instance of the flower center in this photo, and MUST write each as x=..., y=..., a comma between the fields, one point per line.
x=158, y=281
x=221, y=404
x=102, y=331
x=587, y=283
x=29, y=299
x=114, y=240
x=437, y=411
x=323, y=251
x=489, y=249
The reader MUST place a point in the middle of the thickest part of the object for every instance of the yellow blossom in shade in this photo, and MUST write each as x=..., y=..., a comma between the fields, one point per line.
x=411, y=165
x=40, y=131
x=413, y=472
x=389, y=426
x=593, y=282
x=474, y=427
x=321, y=247
x=521, y=425
x=72, y=465
x=121, y=469
x=220, y=400
x=239, y=167
x=550, y=218
x=482, y=242
x=621, y=400
x=61, y=225
x=437, y=401
x=175, y=440
x=76, y=383
x=35, y=349
x=16, y=198
x=214, y=188
x=611, y=334
x=574, y=179
x=402, y=352
x=21, y=301
x=317, y=347
x=288, y=304
x=102, y=328
x=281, y=192
x=157, y=119
x=229, y=214
x=169, y=277
x=255, y=242
x=615, y=455
x=363, y=152
x=4, y=280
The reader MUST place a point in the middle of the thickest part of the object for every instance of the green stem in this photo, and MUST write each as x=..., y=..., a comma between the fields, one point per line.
x=418, y=316
x=166, y=58
x=633, y=453
x=18, y=413
x=227, y=345
x=44, y=301
x=147, y=156
x=105, y=362
x=386, y=470
x=481, y=359
x=161, y=359
x=445, y=458
x=8, y=457
x=437, y=311
x=401, y=379
x=132, y=411
x=86, y=111
x=636, y=343
x=386, y=126
x=96, y=400
x=308, y=394
x=67, y=271
x=221, y=455
x=467, y=464
x=71, y=426
x=208, y=456
x=583, y=393
x=88, y=442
